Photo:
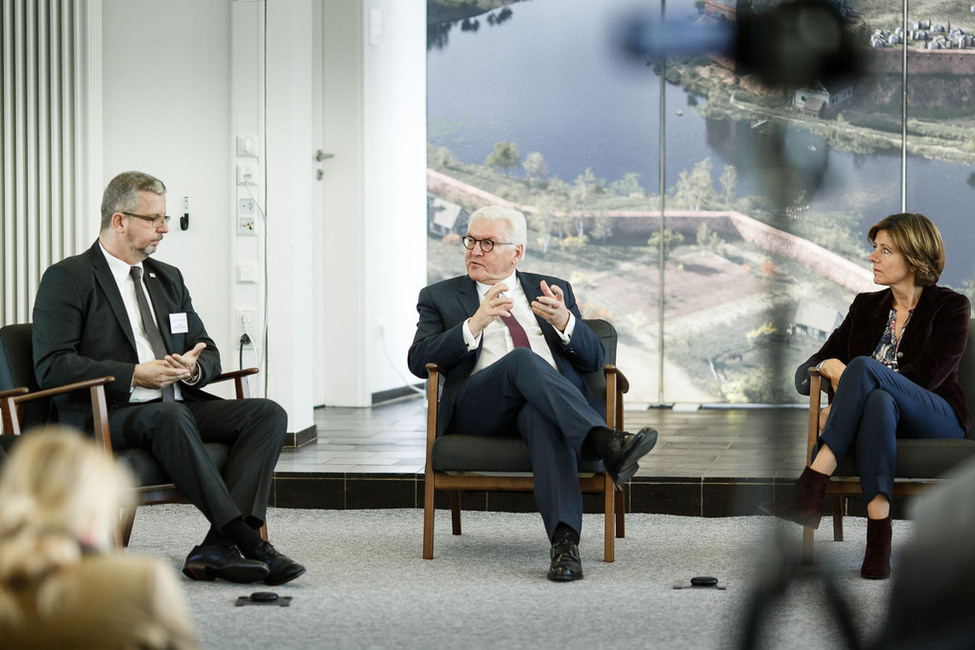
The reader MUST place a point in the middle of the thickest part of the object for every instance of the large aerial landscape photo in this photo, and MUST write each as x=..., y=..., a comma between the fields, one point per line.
x=766, y=190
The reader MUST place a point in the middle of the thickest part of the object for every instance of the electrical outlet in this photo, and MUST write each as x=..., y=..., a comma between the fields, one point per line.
x=247, y=323
x=245, y=207
x=247, y=174
x=247, y=146
x=246, y=226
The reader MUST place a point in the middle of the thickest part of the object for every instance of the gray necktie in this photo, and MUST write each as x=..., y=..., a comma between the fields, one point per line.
x=150, y=328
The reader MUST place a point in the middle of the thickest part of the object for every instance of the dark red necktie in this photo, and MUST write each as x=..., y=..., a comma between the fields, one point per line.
x=518, y=336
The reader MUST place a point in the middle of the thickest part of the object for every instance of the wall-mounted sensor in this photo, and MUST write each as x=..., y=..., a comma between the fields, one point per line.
x=184, y=221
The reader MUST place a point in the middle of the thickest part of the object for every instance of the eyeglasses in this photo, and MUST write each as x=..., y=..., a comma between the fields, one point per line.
x=157, y=222
x=487, y=245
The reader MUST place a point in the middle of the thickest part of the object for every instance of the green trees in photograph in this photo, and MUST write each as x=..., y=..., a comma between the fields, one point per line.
x=535, y=169
x=671, y=240
x=628, y=186
x=505, y=157
x=695, y=190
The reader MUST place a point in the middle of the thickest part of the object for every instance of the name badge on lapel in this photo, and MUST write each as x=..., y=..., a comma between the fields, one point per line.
x=178, y=323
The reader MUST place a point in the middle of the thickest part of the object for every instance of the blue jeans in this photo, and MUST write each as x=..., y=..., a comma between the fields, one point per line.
x=873, y=407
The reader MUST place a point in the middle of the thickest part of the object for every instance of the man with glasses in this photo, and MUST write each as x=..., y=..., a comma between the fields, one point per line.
x=514, y=350
x=113, y=311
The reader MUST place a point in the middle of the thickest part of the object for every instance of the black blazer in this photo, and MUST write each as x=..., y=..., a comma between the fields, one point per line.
x=439, y=339
x=82, y=331
x=929, y=352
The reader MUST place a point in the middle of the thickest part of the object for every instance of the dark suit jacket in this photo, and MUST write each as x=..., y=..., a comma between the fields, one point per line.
x=929, y=352
x=82, y=331
x=439, y=339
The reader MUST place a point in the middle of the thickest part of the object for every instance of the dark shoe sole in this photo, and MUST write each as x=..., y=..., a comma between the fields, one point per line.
x=238, y=574
x=564, y=577
x=646, y=440
x=805, y=520
x=280, y=580
x=625, y=475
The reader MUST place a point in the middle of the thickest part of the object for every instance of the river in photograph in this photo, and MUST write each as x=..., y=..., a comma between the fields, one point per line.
x=552, y=78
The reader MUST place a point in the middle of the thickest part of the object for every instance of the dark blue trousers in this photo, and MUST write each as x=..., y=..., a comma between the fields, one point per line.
x=874, y=406
x=522, y=392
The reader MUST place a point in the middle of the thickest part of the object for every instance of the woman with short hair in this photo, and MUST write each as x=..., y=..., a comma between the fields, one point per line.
x=893, y=364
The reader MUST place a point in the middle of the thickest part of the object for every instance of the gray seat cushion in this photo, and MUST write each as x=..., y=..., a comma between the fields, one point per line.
x=920, y=459
x=148, y=471
x=456, y=452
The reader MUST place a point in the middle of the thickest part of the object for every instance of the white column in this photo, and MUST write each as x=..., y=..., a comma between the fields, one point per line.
x=289, y=220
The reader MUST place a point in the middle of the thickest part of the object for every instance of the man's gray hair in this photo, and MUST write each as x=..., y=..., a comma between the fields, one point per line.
x=122, y=193
x=517, y=230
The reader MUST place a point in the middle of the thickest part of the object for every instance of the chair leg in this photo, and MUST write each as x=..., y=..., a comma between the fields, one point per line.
x=125, y=525
x=807, y=545
x=428, y=518
x=838, y=519
x=609, y=505
x=455, y=510
x=620, y=513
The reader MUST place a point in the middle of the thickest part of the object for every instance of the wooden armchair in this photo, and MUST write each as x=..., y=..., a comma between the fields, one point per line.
x=919, y=462
x=458, y=462
x=24, y=405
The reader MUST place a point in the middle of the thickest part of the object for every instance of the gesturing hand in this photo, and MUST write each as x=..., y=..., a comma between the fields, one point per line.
x=157, y=374
x=494, y=305
x=187, y=360
x=160, y=373
x=551, y=306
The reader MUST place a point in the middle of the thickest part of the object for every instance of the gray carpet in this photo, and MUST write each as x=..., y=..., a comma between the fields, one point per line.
x=367, y=586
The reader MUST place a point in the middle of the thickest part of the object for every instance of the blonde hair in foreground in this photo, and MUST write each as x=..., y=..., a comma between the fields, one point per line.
x=60, y=495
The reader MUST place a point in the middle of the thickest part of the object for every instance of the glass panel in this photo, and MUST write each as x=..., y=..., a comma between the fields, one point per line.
x=940, y=127
x=769, y=191
x=535, y=103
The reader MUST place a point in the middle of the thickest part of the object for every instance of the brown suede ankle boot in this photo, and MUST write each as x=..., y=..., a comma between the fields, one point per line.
x=876, y=561
x=806, y=508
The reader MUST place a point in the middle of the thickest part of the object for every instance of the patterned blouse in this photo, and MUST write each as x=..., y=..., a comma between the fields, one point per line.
x=886, y=352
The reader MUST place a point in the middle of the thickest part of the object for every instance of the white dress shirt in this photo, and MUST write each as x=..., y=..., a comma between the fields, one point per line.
x=127, y=287
x=497, y=336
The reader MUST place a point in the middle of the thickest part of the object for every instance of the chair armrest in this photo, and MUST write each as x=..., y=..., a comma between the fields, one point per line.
x=433, y=403
x=433, y=393
x=8, y=408
x=622, y=383
x=99, y=407
x=616, y=385
x=61, y=390
x=815, y=397
x=241, y=387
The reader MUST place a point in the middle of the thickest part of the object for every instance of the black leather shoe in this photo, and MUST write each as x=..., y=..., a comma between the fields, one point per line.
x=282, y=568
x=566, y=564
x=625, y=449
x=222, y=561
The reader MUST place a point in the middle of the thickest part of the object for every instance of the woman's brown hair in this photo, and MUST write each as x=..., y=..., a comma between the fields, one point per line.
x=918, y=240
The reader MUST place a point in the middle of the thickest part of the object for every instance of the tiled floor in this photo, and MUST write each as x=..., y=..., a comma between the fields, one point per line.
x=710, y=442
x=708, y=461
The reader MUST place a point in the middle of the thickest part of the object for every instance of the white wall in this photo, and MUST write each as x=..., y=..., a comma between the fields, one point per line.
x=395, y=189
x=182, y=78
x=340, y=307
x=166, y=102
x=373, y=99
x=288, y=126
